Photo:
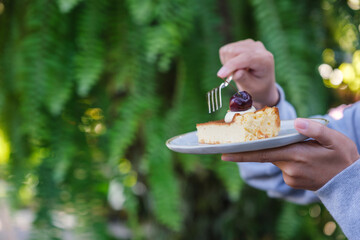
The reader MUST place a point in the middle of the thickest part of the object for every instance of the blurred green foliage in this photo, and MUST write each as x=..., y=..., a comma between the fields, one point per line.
x=90, y=90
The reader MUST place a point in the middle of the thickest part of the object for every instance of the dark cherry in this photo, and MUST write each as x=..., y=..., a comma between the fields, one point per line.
x=240, y=101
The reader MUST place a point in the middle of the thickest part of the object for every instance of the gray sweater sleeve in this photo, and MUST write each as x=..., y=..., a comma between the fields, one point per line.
x=341, y=196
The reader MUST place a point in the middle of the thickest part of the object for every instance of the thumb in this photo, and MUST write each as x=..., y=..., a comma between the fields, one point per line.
x=324, y=135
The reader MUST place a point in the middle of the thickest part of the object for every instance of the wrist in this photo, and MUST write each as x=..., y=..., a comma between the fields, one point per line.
x=274, y=97
x=272, y=100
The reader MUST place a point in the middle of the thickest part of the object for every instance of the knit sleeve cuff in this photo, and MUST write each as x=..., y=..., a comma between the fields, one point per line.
x=341, y=197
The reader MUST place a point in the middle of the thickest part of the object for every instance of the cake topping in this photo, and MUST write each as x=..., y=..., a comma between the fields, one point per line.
x=230, y=115
x=240, y=101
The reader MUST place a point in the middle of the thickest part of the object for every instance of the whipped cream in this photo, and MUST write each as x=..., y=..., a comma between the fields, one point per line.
x=230, y=115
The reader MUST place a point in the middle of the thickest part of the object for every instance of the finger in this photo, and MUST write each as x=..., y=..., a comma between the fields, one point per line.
x=296, y=176
x=269, y=155
x=228, y=52
x=259, y=62
x=296, y=182
x=290, y=168
x=325, y=136
x=239, y=75
x=239, y=62
x=246, y=45
x=233, y=47
x=231, y=50
x=222, y=57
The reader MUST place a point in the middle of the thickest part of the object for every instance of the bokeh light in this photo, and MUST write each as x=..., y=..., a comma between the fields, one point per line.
x=355, y=85
x=2, y=8
x=354, y=4
x=348, y=37
x=338, y=112
x=348, y=72
x=124, y=166
x=329, y=228
x=4, y=149
x=325, y=70
x=116, y=197
x=336, y=77
x=328, y=56
x=346, y=76
x=356, y=61
x=315, y=211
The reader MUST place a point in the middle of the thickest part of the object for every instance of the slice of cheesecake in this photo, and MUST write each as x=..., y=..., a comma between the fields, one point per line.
x=260, y=124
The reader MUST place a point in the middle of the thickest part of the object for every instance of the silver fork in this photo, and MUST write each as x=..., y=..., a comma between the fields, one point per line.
x=214, y=95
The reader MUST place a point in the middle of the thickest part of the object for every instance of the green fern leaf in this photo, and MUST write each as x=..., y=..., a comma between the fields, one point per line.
x=89, y=62
x=142, y=12
x=272, y=33
x=131, y=114
x=289, y=222
x=229, y=175
x=67, y=5
x=164, y=40
x=37, y=52
x=132, y=206
x=163, y=184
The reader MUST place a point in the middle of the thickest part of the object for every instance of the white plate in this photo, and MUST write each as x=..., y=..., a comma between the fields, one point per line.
x=188, y=142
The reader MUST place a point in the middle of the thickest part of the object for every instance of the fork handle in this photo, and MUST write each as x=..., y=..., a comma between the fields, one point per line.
x=229, y=79
x=227, y=82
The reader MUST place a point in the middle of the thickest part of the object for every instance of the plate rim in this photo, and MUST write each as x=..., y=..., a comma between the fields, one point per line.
x=167, y=143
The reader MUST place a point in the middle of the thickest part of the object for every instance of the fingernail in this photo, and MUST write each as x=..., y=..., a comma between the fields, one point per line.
x=301, y=124
x=222, y=72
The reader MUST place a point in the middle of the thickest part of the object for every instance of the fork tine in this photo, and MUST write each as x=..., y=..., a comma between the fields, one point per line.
x=216, y=104
x=220, y=97
x=212, y=100
x=208, y=100
x=216, y=99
